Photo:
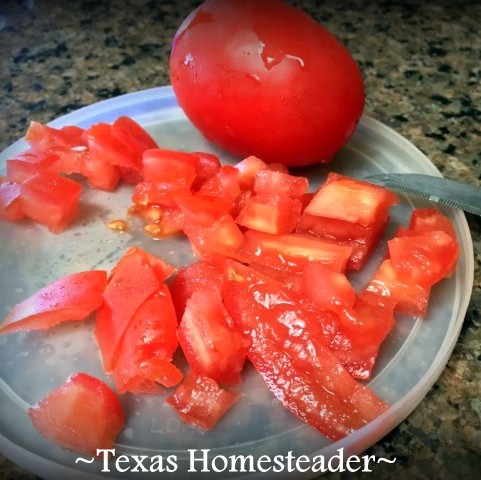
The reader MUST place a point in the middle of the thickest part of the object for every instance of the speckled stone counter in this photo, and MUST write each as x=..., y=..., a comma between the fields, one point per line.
x=422, y=69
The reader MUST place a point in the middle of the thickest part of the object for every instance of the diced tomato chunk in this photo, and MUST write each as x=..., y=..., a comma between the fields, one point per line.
x=201, y=210
x=28, y=163
x=147, y=346
x=216, y=242
x=197, y=276
x=51, y=200
x=269, y=181
x=293, y=252
x=82, y=415
x=326, y=288
x=424, y=220
x=210, y=344
x=137, y=276
x=248, y=169
x=352, y=200
x=45, y=137
x=222, y=185
x=10, y=205
x=199, y=401
x=423, y=259
x=73, y=297
x=270, y=213
x=386, y=289
x=166, y=174
x=361, y=239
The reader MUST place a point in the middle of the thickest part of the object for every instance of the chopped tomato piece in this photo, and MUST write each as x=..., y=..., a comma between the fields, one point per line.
x=248, y=169
x=30, y=162
x=327, y=288
x=361, y=239
x=106, y=143
x=10, y=205
x=270, y=181
x=73, y=297
x=270, y=213
x=201, y=210
x=45, y=137
x=210, y=344
x=293, y=252
x=222, y=185
x=200, y=401
x=147, y=346
x=137, y=276
x=423, y=259
x=424, y=220
x=194, y=277
x=82, y=415
x=286, y=350
x=165, y=175
x=388, y=290
x=51, y=200
x=216, y=242
x=352, y=200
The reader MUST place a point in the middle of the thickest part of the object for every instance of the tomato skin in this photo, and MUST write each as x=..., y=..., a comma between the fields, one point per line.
x=72, y=297
x=82, y=415
x=264, y=79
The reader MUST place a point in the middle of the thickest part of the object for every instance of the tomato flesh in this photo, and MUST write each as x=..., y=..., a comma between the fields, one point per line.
x=81, y=415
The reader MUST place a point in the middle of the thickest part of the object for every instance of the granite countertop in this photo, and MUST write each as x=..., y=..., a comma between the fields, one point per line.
x=421, y=63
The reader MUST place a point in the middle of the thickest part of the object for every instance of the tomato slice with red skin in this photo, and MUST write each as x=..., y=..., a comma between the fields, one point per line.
x=424, y=220
x=190, y=278
x=51, y=200
x=201, y=210
x=10, y=205
x=351, y=200
x=199, y=401
x=270, y=213
x=293, y=252
x=81, y=415
x=147, y=346
x=137, y=276
x=73, y=297
x=297, y=367
x=210, y=344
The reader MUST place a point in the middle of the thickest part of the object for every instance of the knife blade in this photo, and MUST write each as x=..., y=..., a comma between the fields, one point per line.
x=442, y=190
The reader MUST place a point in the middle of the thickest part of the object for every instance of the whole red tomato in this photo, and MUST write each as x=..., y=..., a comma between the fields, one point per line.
x=263, y=78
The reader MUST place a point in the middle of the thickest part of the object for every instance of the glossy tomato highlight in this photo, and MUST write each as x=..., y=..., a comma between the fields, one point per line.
x=265, y=79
